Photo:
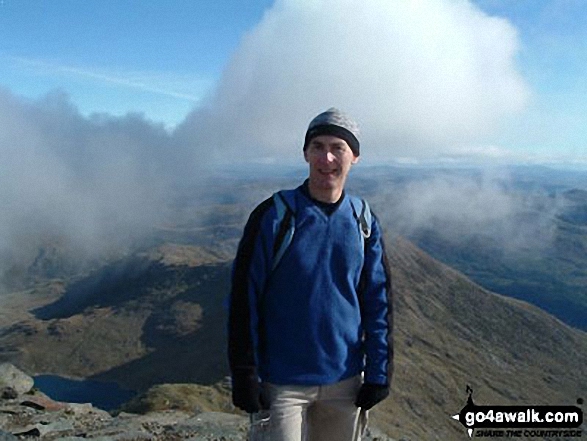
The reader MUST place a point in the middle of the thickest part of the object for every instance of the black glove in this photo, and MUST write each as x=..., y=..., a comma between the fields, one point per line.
x=371, y=394
x=246, y=392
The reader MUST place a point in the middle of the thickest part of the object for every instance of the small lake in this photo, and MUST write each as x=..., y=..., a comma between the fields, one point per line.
x=106, y=396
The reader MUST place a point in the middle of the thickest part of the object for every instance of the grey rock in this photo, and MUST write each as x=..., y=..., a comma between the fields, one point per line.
x=170, y=425
x=214, y=426
x=129, y=434
x=4, y=418
x=14, y=378
x=79, y=409
x=46, y=420
x=29, y=431
x=80, y=438
x=5, y=436
x=8, y=393
x=374, y=434
x=72, y=438
x=59, y=426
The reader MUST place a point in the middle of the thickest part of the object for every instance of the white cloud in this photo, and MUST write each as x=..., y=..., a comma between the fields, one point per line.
x=470, y=204
x=419, y=76
x=95, y=183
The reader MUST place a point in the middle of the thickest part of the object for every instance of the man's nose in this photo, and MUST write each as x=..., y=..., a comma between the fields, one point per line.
x=327, y=156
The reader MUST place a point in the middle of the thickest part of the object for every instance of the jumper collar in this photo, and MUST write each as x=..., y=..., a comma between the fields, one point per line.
x=326, y=207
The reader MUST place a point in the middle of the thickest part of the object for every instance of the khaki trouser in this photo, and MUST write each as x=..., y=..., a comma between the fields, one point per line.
x=310, y=413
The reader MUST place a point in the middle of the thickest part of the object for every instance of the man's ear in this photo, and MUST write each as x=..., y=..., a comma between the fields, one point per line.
x=306, y=155
x=355, y=159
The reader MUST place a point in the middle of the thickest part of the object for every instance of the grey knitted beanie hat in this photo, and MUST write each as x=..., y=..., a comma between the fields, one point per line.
x=336, y=123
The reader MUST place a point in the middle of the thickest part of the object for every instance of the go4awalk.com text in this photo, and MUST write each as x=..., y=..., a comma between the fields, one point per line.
x=520, y=421
x=527, y=433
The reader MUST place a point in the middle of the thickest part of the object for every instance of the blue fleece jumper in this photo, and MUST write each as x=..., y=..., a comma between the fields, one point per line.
x=324, y=313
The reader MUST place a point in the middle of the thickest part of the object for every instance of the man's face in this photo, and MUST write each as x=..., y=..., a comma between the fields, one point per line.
x=330, y=159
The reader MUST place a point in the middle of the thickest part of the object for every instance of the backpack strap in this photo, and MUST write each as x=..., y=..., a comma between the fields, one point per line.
x=362, y=213
x=283, y=227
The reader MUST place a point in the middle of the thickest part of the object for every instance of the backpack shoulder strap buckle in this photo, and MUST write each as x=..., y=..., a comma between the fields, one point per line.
x=362, y=213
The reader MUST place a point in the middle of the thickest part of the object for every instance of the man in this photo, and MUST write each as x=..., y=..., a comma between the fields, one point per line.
x=310, y=333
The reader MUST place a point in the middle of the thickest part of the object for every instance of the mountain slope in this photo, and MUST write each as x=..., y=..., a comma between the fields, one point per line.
x=450, y=333
x=159, y=317
x=143, y=320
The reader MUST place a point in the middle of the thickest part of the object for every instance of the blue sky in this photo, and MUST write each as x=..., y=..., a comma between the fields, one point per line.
x=154, y=57
x=166, y=60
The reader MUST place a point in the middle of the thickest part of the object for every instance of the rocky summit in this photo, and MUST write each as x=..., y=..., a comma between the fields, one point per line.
x=26, y=413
